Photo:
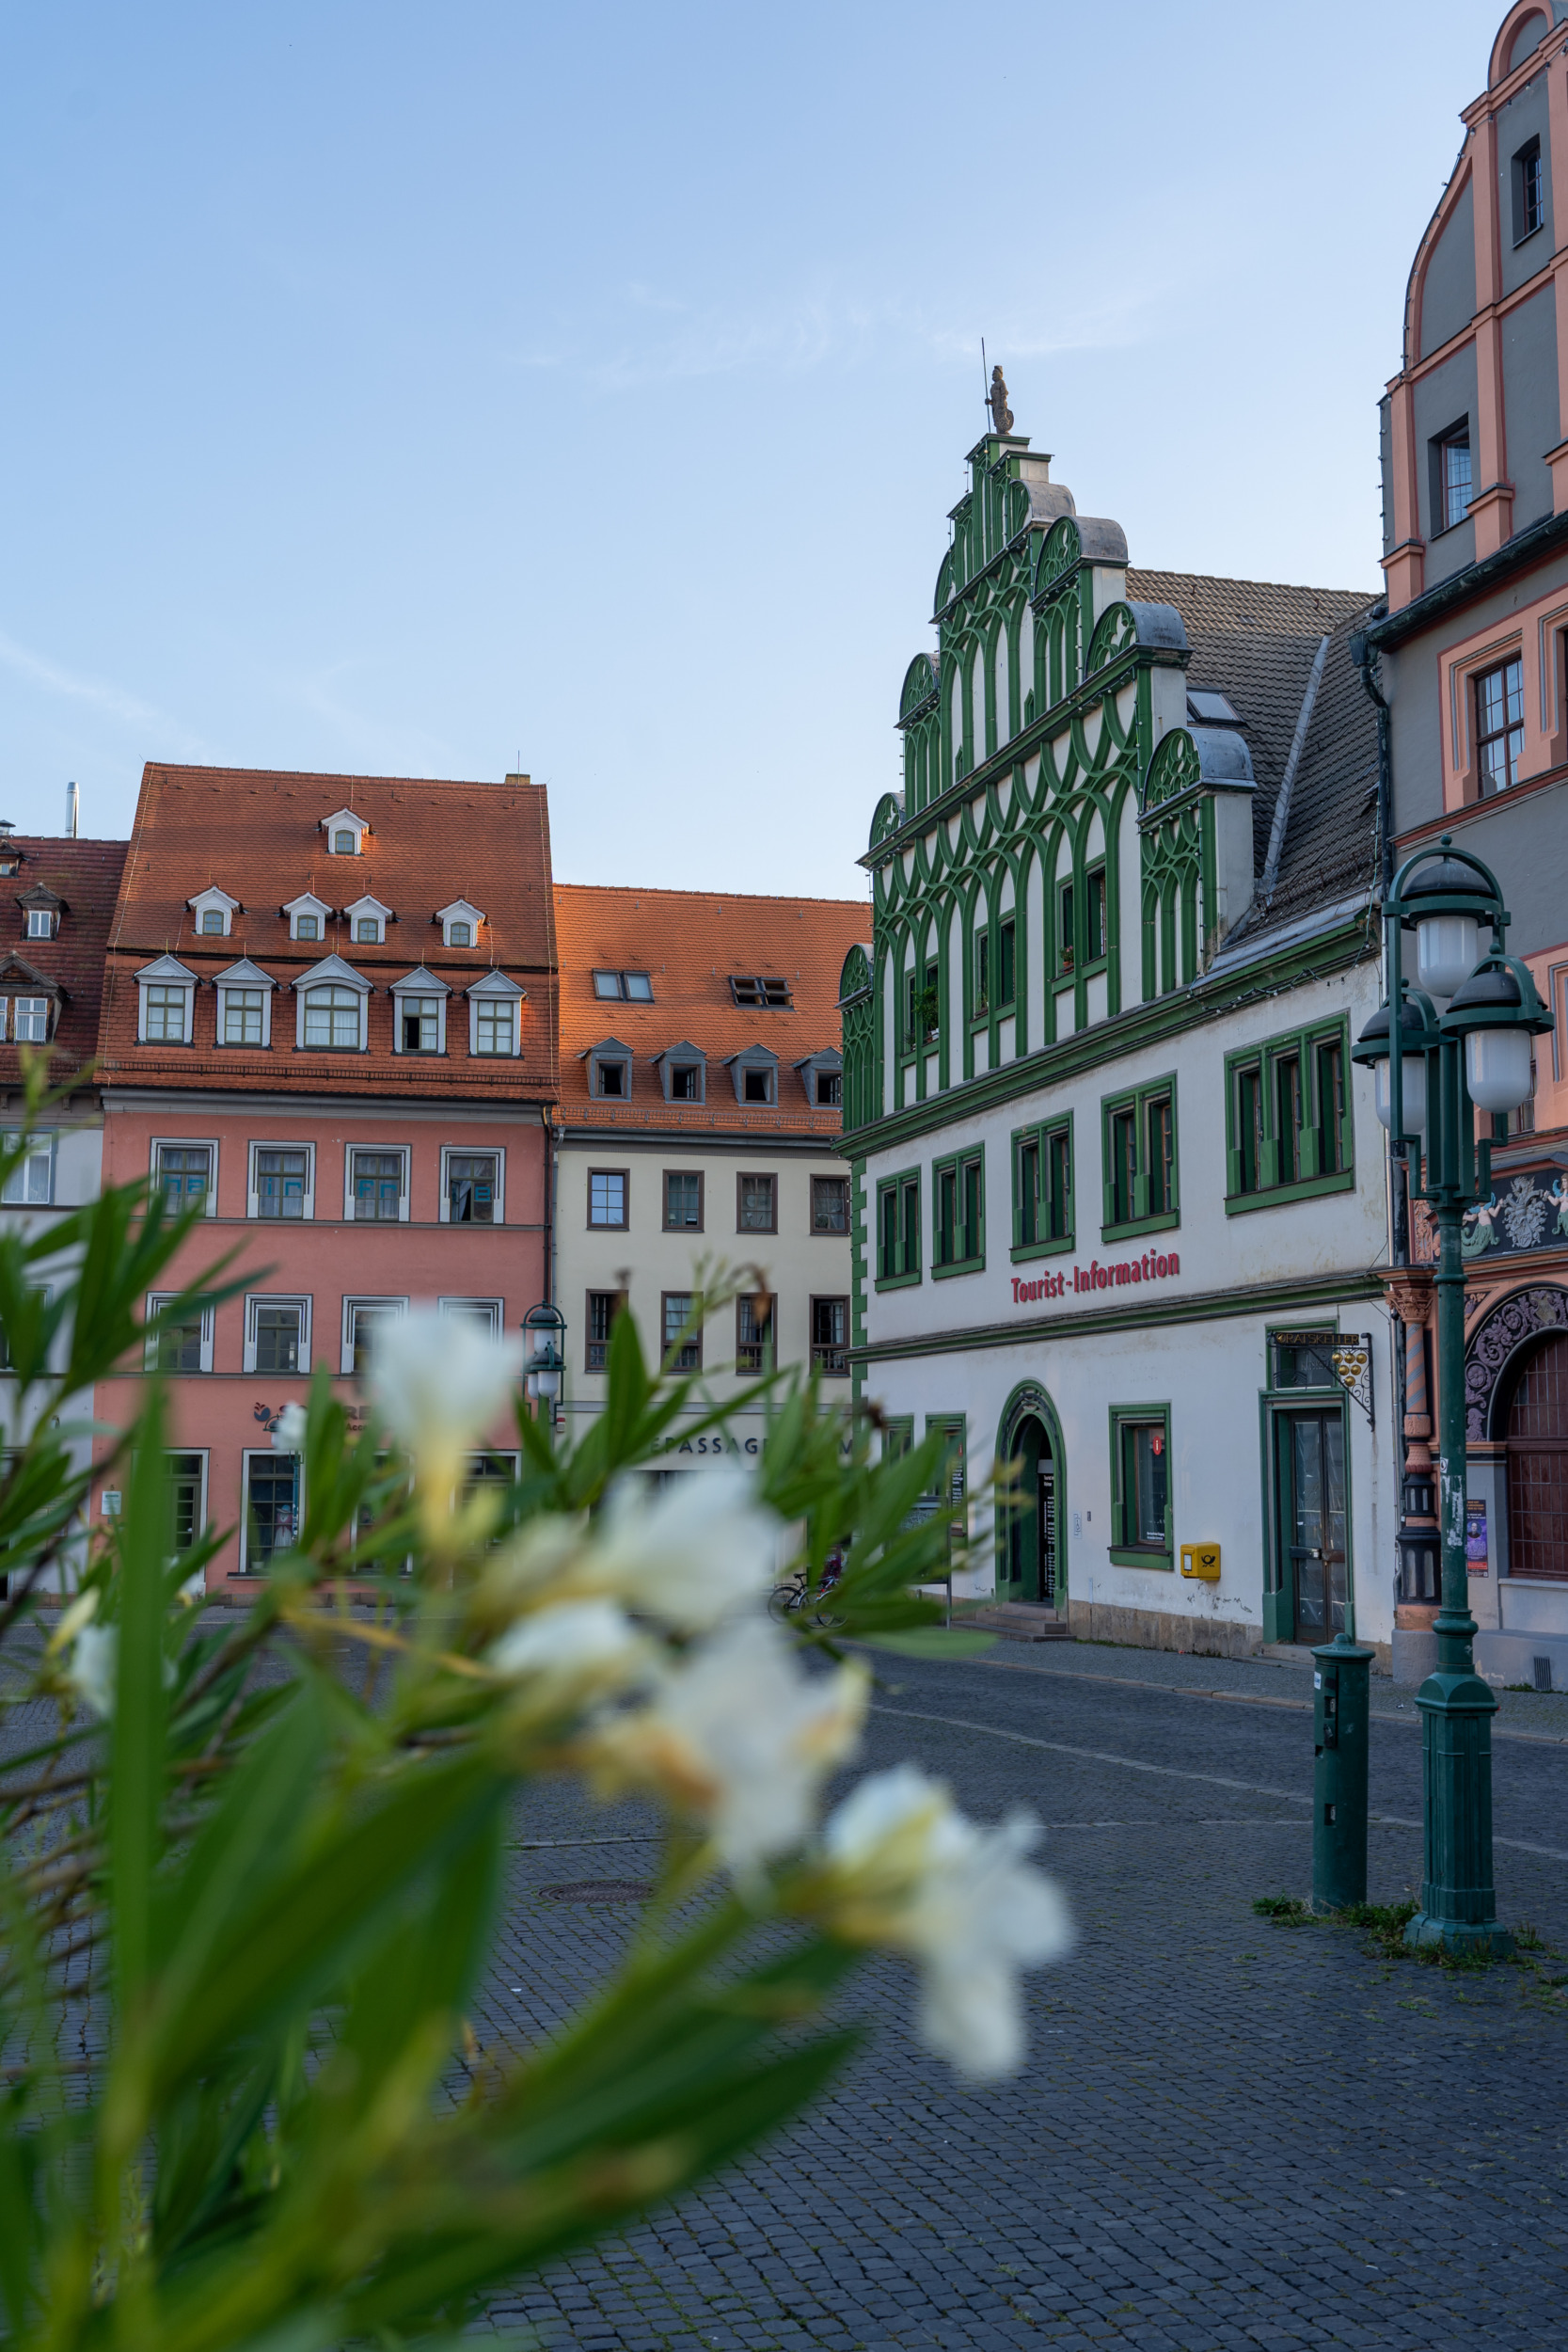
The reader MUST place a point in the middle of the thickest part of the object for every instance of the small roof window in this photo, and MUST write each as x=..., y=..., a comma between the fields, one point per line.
x=215, y=910
x=305, y=916
x=1211, y=709
x=460, y=923
x=632, y=988
x=345, y=833
x=760, y=990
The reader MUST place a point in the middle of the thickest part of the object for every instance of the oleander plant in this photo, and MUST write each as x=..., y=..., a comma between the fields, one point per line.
x=253, y=1859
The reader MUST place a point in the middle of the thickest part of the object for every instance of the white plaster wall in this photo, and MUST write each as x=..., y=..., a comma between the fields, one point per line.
x=1130, y=884
x=1210, y=1371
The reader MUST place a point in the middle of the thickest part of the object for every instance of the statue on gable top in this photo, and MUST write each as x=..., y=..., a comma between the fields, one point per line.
x=1002, y=416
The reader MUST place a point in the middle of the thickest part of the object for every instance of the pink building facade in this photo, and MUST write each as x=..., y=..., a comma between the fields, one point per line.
x=361, y=1107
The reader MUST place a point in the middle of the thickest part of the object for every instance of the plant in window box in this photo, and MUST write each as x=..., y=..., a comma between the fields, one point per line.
x=282, y=1845
x=926, y=1011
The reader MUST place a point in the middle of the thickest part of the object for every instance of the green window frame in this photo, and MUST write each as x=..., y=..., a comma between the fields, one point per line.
x=898, y=1437
x=982, y=974
x=922, y=1009
x=899, y=1229
x=1006, y=965
x=1290, y=1130
x=1141, y=1487
x=1097, y=940
x=958, y=1213
x=1139, y=1160
x=1044, y=1222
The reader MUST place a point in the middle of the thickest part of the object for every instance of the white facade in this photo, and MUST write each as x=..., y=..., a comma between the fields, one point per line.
x=1193, y=1344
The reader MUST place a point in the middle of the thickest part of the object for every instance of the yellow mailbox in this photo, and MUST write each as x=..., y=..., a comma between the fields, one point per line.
x=1201, y=1560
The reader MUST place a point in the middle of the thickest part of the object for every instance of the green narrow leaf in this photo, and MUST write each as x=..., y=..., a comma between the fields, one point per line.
x=138, y=1733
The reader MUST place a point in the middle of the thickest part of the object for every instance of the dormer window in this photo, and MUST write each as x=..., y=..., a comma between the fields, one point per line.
x=345, y=833
x=167, y=990
x=756, y=991
x=419, y=1013
x=460, y=923
x=40, y=912
x=306, y=916
x=368, y=920
x=756, y=1076
x=632, y=988
x=610, y=1070
x=212, y=912
x=683, y=1071
x=822, y=1076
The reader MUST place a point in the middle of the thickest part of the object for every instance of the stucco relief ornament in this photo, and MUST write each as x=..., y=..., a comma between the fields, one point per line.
x=1002, y=416
x=1476, y=1233
x=1517, y=1318
x=1524, y=1214
x=1423, y=1234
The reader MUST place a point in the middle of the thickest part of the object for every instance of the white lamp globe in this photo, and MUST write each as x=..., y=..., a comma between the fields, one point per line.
x=1497, y=1068
x=1414, y=1079
x=1446, y=949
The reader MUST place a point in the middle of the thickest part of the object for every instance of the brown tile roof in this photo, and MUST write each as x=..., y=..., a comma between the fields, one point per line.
x=256, y=833
x=690, y=942
x=86, y=875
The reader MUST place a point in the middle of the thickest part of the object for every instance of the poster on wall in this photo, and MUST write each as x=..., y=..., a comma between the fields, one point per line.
x=1475, y=1538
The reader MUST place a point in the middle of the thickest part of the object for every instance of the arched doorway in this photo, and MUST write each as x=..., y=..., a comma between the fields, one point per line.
x=1536, y=1435
x=1030, y=1564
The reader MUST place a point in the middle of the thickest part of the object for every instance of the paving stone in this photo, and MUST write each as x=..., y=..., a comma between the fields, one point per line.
x=1228, y=2134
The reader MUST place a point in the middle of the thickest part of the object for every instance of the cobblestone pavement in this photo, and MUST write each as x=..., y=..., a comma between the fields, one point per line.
x=1227, y=2133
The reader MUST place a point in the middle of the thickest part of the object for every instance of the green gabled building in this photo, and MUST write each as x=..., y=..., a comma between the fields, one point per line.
x=1099, y=1042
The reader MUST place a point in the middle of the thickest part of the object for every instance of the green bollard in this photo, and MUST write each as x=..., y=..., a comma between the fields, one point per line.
x=1343, y=1686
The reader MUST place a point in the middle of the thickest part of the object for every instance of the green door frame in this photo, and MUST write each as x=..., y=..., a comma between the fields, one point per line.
x=1029, y=1400
x=1279, y=1598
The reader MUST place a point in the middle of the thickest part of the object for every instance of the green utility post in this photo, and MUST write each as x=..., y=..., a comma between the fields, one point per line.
x=1341, y=1686
x=1474, y=1056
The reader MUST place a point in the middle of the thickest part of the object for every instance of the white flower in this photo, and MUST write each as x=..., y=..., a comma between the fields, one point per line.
x=440, y=1382
x=583, y=1645
x=689, y=1555
x=909, y=1870
x=91, y=1670
x=287, y=1434
x=738, y=1739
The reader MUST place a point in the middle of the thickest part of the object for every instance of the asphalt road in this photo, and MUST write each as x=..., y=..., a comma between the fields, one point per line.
x=1227, y=2133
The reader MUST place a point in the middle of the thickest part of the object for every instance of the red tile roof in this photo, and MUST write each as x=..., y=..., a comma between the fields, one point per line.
x=86, y=876
x=256, y=833
x=690, y=942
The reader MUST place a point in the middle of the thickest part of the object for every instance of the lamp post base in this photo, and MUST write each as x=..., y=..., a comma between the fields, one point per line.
x=1426, y=1934
x=1459, y=1910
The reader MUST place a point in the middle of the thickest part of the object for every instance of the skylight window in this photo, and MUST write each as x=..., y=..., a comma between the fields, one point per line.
x=760, y=990
x=633, y=988
x=1209, y=709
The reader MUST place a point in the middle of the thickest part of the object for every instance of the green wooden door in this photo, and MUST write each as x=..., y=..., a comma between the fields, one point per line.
x=1313, y=1546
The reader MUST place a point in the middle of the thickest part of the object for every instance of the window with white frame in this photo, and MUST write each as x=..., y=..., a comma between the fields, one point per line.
x=368, y=919
x=345, y=832
x=40, y=922
x=278, y=1334
x=306, y=916
x=484, y=1315
x=419, y=1025
x=495, y=1028
x=271, y=1517
x=470, y=1186
x=332, y=1017
x=493, y=1022
x=378, y=1185
x=178, y=1333
x=31, y=1026
x=30, y=1181
x=244, y=1015
x=185, y=1174
x=282, y=1181
x=212, y=912
x=362, y=1319
x=166, y=993
x=460, y=923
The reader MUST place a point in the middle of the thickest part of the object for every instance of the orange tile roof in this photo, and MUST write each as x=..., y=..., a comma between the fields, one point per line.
x=86, y=875
x=256, y=833
x=690, y=942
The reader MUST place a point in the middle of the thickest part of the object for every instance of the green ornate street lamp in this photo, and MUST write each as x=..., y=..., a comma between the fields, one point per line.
x=1474, y=1056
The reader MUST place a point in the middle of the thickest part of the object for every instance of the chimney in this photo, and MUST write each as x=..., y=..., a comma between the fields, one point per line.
x=71, y=812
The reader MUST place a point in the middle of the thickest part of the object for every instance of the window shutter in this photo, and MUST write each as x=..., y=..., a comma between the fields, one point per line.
x=1233, y=1171
x=1311, y=1152
x=1347, y=1135
x=1107, y=1171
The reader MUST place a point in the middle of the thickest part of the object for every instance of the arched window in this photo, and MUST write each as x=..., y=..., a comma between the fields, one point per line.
x=343, y=843
x=331, y=1016
x=460, y=935
x=368, y=930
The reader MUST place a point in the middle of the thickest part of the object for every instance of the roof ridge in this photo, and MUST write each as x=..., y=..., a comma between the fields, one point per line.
x=1228, y=580
x=661, y=890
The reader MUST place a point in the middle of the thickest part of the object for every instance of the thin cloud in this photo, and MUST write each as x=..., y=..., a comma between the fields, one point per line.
x=52, y=677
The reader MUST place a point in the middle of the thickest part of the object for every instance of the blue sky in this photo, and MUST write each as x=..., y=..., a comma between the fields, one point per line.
x=411, y=389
